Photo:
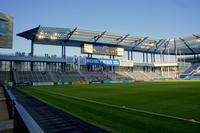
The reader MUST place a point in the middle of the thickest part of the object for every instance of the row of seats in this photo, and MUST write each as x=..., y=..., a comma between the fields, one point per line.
x=33, y=76
x=95, y=76
x=194, y=75
x=4, y=75
x=118, y=76
x=67, y=76
x=154, y=75
x=190, y=70
x=139, y=75
x=28, y=76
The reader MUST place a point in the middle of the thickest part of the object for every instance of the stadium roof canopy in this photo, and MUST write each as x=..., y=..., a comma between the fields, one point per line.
x=77, y=37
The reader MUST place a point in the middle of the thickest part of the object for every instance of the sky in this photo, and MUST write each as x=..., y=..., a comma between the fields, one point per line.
x=160, y=19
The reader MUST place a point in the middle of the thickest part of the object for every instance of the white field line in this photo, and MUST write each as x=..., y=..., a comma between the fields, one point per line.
x=127, y=108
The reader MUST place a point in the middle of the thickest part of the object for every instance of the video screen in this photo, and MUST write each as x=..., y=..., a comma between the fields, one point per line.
x=103, y=50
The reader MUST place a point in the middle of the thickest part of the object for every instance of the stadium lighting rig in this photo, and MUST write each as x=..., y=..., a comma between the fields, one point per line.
x=53, y=37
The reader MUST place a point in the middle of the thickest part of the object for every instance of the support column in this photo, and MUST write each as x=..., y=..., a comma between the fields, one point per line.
x=32, y=52
x=11, y=71
x=163, y=58
x=131, y=55
x=64, y=57
x=147, y=61
x=64, y=51
x=91, y=66
x=160, y=58
x=143, y=57
x=88, y=67
x=113, y=66
x=32, y=48
x=132, y=60
x=143, y=60
x=128, y=55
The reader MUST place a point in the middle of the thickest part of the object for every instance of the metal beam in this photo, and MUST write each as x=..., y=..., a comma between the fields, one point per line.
x=158, y=46
x=135, y=41
x=32, y=48
x=70, y=34
x=166, y=44
x=155, y=45
x=187, y=45
x=96, y=38
x=198, y=37
x=141, y=41
x=175, y=48
x=122, y=39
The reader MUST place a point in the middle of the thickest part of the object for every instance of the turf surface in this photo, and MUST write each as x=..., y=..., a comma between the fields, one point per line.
x=179, y=99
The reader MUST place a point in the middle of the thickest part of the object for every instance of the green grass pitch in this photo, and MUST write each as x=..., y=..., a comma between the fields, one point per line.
x=111, y=106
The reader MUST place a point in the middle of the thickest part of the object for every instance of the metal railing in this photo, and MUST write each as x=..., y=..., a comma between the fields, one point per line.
x=23, y=120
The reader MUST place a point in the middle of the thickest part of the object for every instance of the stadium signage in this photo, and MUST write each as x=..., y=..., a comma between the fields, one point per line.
x=126, y=63
x=92, y=61
x=102, y=62
x=102, y=50
x=76, y=60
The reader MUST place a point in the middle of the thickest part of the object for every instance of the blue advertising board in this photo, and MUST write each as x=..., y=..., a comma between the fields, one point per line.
x=75, y=60
x=70, y=60
x=92, y=61
x=102, y=62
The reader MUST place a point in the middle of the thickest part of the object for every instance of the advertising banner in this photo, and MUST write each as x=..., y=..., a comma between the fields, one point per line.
x=76, y=60
x=102, y=62
x=126, y=63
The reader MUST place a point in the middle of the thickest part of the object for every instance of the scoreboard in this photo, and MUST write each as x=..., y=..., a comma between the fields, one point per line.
x=102, y=50
x=6, y=31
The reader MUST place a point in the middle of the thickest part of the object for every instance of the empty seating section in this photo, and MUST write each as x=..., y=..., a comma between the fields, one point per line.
x=4, y=75
x=138, y=75
x=118, y=76
x=33, y=76
x=67, y=76
x=195, y=76
x=96, y=76
x=28, y=76
x=153, y=75
x=190, y=70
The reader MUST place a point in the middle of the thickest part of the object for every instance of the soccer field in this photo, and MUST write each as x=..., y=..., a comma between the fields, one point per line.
x=133, y=107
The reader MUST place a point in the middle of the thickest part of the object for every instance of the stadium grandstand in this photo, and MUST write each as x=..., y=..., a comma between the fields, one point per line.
x=155, y=53
x=37, y=95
